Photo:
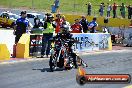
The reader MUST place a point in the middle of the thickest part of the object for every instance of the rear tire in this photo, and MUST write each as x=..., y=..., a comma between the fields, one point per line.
x=61, y=61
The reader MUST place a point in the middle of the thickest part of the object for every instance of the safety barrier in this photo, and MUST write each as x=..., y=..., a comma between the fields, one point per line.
x=22, y=48
x=88, y=42
x=4, y=52
x=92, y=41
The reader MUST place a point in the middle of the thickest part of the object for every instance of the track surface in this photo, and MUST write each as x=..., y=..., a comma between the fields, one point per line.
x=36, y=74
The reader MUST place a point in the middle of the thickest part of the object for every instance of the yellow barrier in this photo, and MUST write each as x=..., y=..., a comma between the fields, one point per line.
x=109, y=44
x=22, y=48
x=4, y=52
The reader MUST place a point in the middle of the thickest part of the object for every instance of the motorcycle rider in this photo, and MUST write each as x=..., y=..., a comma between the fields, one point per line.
x=66, y=35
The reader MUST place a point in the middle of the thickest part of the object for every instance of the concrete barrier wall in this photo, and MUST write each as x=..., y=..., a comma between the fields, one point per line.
x=7, y=37
x=4, y=52
x=22, y=48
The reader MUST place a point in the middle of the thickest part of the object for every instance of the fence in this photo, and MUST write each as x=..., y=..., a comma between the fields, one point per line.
x=66, y=6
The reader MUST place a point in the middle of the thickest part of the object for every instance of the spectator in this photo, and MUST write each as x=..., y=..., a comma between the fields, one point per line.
x=37, y=23
x=101, y=10
x=57, y=4
x=63, y=18
x=47, y=34
x=84, y=24
x=114, y=10
x=76, y=27
x=65, y=24
x=89, y=9
x=129, y=11
x=122, y=9
x=109, y=8
x=21, y=26
x=58, y=23
x=93, y=25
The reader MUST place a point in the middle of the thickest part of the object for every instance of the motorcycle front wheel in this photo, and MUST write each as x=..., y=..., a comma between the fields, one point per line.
x=52, y=63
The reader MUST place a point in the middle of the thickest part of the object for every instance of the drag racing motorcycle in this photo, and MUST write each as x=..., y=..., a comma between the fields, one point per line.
x=61, y=55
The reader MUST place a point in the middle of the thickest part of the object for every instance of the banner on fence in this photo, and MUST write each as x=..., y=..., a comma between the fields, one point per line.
x=92, y=41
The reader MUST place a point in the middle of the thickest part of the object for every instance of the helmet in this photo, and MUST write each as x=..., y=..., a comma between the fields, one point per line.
x=49, y=15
